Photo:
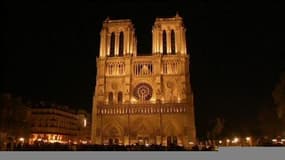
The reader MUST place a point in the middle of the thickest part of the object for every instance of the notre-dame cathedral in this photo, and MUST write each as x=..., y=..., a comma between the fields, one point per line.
x=143, y=99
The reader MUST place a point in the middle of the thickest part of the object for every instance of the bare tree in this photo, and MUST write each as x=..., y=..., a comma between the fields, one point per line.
x=278, y=95
x=217, y=128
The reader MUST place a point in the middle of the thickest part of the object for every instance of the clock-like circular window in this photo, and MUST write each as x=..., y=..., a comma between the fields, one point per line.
x=143, y=92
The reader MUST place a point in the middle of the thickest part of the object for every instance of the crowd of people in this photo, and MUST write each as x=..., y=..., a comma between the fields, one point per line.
x=92, y=147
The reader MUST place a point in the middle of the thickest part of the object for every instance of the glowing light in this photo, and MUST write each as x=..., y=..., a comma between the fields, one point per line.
x=133, y=100
x=84, y=122
x=220, y=141
x=274, y=140
x=162, y=100
x=236, y=140
x=21, y=139
x=191, y=143
x=228, y=141
x=247, y=138
x=179, y=99
x=147, y=145
x=152, y=100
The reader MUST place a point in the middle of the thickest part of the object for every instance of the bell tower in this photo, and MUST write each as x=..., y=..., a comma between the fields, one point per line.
x=168, y=36
x=117, y=38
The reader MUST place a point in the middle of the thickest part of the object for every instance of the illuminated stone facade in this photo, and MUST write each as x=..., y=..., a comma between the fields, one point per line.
x=143, y=99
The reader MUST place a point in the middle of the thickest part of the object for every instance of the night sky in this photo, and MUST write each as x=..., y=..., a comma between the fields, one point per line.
x=237, y=51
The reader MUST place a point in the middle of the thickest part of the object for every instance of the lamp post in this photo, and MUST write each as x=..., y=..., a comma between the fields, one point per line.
x=128, y=112
x=248, y=140
x=160, y=118
x=101, y=128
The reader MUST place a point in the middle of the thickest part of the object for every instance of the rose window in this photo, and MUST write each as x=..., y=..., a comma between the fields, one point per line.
x=143, y=92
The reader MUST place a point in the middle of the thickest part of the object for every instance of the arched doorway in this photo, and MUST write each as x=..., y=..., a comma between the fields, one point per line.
x=171, y=141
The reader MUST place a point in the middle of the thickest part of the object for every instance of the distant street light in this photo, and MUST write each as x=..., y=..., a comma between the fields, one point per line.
x=220, y=141
x=228, y=142
x=22, y=139
x=248, y=140
x=236, y=140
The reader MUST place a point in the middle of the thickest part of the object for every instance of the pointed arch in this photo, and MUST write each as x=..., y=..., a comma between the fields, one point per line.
x=164, y=43
x=172, y=41
x=112, y=45
x=121, y=44
x=110, y=97
x=170, y=129
x=120, y=97
x=113, y=129
x=143, y=127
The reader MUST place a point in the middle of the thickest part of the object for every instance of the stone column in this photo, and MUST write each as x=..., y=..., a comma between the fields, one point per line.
x=156, y=41
x=179, y=39
x=183, y=41
x=131, y=42
x=108, y=41
x=160, y=42
x=168, y=41
x=117, y=34
x=153, y=40
x=135, y=46
x=126, y=41
x=101, y=44
x=176, y=32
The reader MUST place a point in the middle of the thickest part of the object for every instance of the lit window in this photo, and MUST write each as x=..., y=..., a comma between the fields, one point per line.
x=85, y=122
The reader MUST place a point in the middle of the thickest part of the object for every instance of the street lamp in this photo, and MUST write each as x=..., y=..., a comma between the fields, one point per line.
x=248, y=140
x=235, y=140
x=228, y=142
x=220, y=142
x=22, y=139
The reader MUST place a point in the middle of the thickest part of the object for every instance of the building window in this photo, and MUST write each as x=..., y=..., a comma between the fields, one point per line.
x=84, y=122
x=112, y=45
x=120, y=97
x=172, y=42
x=121, y=44
x=143, y=69
x=110, y=97
x=164, y=48
x=168, y=140
x=121, y=68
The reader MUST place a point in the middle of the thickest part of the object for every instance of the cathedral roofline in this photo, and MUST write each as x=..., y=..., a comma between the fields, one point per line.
x=108, y=20
x=174, y=18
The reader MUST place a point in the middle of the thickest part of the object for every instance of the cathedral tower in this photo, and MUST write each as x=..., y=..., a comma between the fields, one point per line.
x=168, y=36
x=117, y=38
x=143, y=99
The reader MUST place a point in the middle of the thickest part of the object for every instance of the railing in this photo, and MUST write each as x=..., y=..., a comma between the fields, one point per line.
x=120, y=109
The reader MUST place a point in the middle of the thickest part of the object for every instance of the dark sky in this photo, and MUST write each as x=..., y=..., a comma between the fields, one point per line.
x=237, y=51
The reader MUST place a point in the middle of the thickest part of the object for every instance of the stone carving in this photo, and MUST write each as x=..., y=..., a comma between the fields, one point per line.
x=169, y=84
x=114, y=86
x=158, y=92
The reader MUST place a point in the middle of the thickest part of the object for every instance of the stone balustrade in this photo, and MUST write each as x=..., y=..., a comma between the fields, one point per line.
x=121, y=109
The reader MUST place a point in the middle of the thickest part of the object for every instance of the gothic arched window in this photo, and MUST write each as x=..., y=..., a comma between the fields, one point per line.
x=172, y=42
x=164, y=49
x=120, y=97
x=112, y=45
x=110, y=97
x=121, y=44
